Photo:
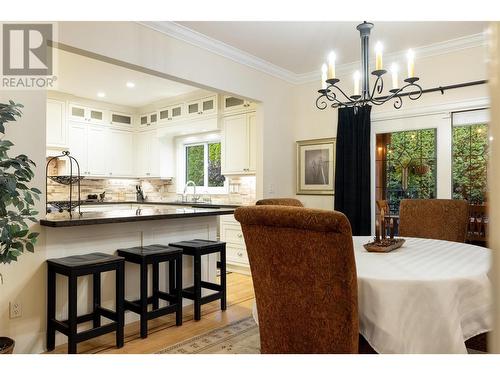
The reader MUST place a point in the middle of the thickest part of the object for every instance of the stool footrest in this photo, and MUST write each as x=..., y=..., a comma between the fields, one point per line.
x=135, y=306
x=162, y=311
x=211, y=286
x=94, y=332
x=106, y=313
x=60, y=326
x=211, y=297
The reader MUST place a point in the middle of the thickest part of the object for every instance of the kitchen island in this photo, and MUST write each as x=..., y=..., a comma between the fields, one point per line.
x=106, y=229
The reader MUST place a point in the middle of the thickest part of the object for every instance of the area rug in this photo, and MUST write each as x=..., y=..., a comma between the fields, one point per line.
x=241, y=337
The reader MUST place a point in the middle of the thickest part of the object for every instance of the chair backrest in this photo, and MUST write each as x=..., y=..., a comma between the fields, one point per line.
x=280, y=202
x=382, y=204
x=439, y=219
x=304, y=276
x=478, y=223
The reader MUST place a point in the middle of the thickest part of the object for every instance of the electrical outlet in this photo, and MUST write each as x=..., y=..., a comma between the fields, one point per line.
x=16, y=310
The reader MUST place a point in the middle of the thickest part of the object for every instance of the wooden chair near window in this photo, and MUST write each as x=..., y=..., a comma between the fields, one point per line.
x=478, y=224
x=383, y=204
x=438, y=219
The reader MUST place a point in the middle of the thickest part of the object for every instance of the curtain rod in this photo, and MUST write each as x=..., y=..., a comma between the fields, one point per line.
x=442, y=89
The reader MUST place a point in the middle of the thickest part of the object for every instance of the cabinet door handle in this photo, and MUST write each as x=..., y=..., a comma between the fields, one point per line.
x=239, y=235
x=240, y=254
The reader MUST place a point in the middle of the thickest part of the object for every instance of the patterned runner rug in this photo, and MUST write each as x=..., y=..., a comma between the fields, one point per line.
x=241, y=337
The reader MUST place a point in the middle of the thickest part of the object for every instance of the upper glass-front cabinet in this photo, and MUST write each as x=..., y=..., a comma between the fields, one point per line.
x=86, y=114
x=205, y=106
x=149, y=119
x=121, y=119
x=233, y=103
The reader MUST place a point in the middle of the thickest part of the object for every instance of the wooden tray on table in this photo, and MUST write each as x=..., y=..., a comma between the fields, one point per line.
x=385, y=245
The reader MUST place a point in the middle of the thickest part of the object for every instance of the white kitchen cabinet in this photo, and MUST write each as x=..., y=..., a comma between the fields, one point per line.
x=148, y=155
x=234, y=104
x=89, y=146
x=78, y=147
x=204, y=106
x=98, y=151
x=232, y=235
x=120, y=119
x=148, y=119
x=238, y=144
x=56, y=124
x=87, y=114
x=121, y=154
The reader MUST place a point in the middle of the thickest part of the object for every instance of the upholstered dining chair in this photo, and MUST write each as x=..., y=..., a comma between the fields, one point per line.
x=304, y=277
x=439, y=219
x=280, y=202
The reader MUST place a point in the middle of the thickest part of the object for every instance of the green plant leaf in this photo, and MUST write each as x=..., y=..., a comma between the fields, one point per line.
x=30, y=247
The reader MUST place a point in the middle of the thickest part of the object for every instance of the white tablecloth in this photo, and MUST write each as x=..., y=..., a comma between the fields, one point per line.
x=429, y=296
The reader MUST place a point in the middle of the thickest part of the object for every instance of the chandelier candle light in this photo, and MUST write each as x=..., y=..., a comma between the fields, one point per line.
x=331, y=92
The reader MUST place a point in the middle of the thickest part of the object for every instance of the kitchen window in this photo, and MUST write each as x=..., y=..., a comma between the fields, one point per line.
x=203, y=166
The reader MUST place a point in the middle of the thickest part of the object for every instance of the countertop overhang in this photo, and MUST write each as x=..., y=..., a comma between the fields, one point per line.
x=125, y=216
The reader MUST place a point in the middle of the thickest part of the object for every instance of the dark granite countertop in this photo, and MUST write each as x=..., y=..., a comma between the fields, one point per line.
x=130, y=215
x=173, y=203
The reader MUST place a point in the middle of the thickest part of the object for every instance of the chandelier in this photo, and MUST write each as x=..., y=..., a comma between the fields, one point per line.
x=331, y=92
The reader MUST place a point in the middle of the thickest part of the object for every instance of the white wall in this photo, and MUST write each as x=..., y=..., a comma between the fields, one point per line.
x=457, y=67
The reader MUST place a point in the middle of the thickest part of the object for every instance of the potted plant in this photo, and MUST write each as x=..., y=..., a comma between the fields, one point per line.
x=16, y=202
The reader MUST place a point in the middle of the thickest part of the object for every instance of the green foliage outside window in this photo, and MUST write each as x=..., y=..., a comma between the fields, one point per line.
x=215, y=179
x=411, y=166
x=195, y=164
x=470, y=162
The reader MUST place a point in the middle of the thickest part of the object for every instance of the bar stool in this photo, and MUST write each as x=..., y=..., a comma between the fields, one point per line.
x=197, y=248
x=73, y=267
x=154, y=255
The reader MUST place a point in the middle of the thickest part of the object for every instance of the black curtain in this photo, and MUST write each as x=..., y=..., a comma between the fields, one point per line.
x=352, y=168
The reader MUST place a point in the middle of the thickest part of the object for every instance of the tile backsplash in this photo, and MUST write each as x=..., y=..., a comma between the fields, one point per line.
x=241, y=189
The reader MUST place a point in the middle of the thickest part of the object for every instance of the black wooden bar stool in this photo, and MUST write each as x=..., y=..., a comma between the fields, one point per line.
x=73, y=267
x=154, y=255
x=197, y=248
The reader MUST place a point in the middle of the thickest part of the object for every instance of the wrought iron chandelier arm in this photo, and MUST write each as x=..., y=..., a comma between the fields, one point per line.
x=348, y=98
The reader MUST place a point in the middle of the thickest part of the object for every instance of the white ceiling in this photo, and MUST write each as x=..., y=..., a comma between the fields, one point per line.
x=85, y=77
x=301, y=47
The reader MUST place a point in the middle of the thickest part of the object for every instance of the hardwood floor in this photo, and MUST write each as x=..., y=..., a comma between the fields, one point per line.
x=163, y=332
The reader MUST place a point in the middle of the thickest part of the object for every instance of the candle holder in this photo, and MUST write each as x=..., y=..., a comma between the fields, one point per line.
x=383, y=244
x=379, y=73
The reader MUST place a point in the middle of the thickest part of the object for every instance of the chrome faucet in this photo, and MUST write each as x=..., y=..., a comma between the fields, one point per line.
x=195, y=197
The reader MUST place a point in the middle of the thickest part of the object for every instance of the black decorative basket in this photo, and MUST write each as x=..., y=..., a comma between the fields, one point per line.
x=69, y=180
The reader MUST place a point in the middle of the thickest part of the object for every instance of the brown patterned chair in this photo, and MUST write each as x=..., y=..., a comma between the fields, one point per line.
x=280, y=202
x=439, y=219
x=304, y=276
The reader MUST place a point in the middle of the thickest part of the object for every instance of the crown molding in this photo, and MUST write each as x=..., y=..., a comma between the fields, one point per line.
x=195, y=38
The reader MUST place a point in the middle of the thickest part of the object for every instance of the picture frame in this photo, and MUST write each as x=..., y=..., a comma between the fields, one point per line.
x=316, y=166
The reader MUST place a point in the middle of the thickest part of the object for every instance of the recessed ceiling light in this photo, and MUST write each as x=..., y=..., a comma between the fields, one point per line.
x=130, y=85
x=101, y=94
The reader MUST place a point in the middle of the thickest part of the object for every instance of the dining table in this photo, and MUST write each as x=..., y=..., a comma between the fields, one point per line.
x=426, y=297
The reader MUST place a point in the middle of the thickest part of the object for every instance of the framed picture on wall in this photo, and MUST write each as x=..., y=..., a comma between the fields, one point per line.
x=316, y=166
